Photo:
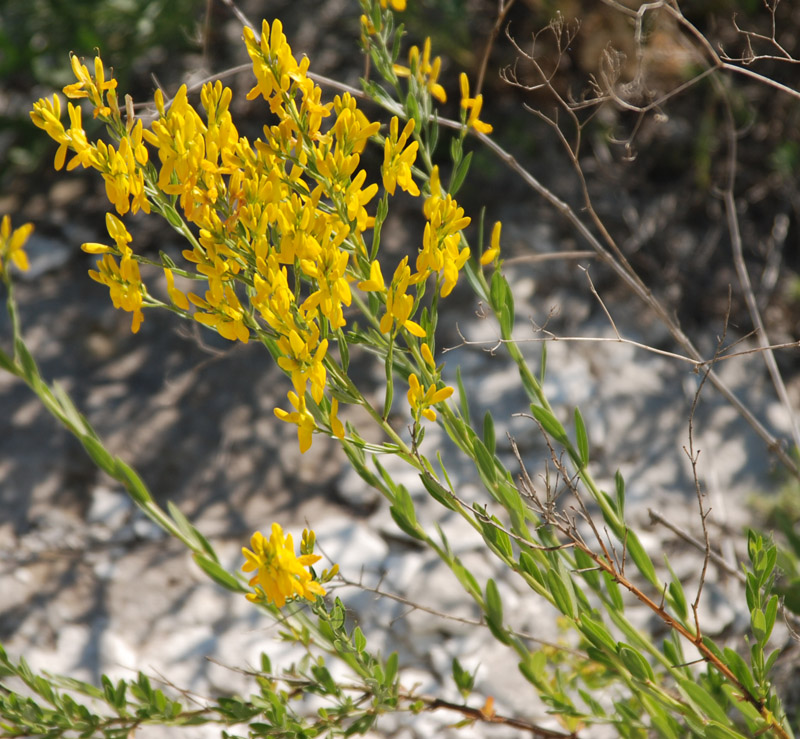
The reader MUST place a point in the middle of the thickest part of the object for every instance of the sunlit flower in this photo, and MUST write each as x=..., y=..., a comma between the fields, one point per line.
x=425, y=72
x=398, y=5
x=473, y=106
x=398, y=159
x=12, y=243
x=300, y=416
x=421, y=399
x=493, y=251
x=279, y=573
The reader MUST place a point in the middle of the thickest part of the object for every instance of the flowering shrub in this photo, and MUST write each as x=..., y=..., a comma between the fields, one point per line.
x=283, y=240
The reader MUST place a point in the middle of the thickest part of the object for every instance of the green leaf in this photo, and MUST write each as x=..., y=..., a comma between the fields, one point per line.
x=613, y=591
x=406, y=526
x=589, y=569
x=676, y=592
x=560, y=586
x=528, y=565
x=582, y=439
x=635, y=663
x=715, y=730
x=359, y=639
x=494, y=605
x=438, y=492
x=543, y=363
x=99, y=454
x=390, y=672
x=740, y=669
x=549, y=423
x=619, y=482
x=25, y=359
x=462, y=395
x=641, y=558
x=770, y=613
x=485, y=462
x=534, y=668
x=464, y=679
x=498, y=538
x=488, y=433
x=133, y=483
x=597, y=633
x=459, y=174
x=218, y=574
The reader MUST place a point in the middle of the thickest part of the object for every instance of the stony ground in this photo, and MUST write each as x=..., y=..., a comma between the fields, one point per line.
x=89, y=586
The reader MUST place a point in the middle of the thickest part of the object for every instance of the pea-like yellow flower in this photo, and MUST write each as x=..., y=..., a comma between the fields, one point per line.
x=421, y=399
x=100, y=92
x=473, y=106
x=398, y=5
x=280, y=575
x=300, y=416
x=12, y=243
x=398, y=159
x=425, y=72
x=491, y=254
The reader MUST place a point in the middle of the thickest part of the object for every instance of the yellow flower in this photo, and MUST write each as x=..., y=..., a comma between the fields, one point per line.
x=124, y=285
x=494, y=250
x=280, y=575
x=337, y=428
x=473, y=105
x=424, y=72
x=302, y=417
x=95, y=89
x=398, y=5
x=397, y=160
x=400, y=305
x=11, y=243
x=421, y=399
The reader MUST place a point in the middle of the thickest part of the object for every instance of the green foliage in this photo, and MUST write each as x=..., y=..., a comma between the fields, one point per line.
x=582, y=558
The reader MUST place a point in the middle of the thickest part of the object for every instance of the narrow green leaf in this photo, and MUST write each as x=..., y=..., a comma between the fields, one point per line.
x=494, y=605
x=100, y=456
x=438, y=492
x=619, y=483
x=7, y=363
x=589, y=569
x=405, y=525
x=676, y=592
x=133, y=483
x=597, y=633
x=485, y=462
x=714, y=730
x=635, y=663
x=390, y=671
x=549, y=423
x=459, y=174
x=462, y=396
x=543, y=363
x=582, y=439
x=218, y=574
x=25, y=359
x=560, y=587
x=488, y=432
x=740, y=669
x=770, y=613
x=641, y=558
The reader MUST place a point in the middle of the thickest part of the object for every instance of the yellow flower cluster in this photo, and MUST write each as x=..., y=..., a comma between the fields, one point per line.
x=280, y=575
x=12, y=243
x=423, y=70
x=276, y=227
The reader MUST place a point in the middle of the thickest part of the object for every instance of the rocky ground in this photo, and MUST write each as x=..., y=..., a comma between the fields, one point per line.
x=89, y=586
